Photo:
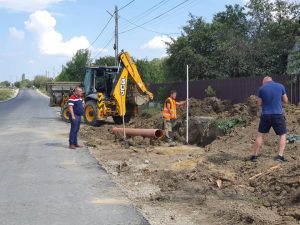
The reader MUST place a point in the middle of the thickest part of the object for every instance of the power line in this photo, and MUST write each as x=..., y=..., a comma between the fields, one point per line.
x=165, y=12
x=129, y=3
x=170, y=15
x=110, y=40
x=101, y=32
x=149, y=11
x=156, y=17
x=145, y=28
x=111, y=16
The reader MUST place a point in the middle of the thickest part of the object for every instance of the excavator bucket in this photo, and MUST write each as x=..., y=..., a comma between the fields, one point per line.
x=141, y=99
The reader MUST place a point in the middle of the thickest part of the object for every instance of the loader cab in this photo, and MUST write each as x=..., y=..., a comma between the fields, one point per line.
x=100, y=79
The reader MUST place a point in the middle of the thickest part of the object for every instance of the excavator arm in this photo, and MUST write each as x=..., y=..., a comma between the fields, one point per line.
x=129, y=69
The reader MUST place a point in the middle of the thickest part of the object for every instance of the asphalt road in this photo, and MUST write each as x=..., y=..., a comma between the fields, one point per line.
x=42, y=182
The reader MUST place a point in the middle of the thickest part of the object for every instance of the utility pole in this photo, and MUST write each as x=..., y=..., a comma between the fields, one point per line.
x=116, y=45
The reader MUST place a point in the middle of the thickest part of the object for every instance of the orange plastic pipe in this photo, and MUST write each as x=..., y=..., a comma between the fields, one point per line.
x=131, y=132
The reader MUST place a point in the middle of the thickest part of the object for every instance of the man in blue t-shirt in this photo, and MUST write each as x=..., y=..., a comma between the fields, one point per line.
x=271, y=95
x=76, y=108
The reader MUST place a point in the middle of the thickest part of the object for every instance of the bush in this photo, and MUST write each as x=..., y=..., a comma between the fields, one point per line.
x=40, y=81
x=226, y=125
x=5, y=84
x=210, y=92
x=162, y=94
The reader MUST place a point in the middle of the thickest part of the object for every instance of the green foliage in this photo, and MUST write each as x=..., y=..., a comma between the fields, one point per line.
x=6, y=94
x=24, y=84
x=105, y=61
x=40, y=81
x=17, y=84
x=226, y=125
x=75, y=69
x=5, y=84
x=162, y=94
x=210, y=92
x=294, y=59
x=152, y=71
x=240, y=41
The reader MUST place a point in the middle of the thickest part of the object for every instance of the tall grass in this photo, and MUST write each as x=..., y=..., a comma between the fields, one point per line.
x=6, y=94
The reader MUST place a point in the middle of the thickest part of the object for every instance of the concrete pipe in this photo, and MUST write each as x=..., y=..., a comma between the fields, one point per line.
x=132, y=132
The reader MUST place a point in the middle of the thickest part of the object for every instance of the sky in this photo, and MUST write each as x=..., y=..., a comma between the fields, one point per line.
x=39, y=36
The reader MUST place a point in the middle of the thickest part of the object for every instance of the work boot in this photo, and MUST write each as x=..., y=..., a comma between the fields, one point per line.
x=253, y=158
x=279, y=158
x=72, y=147
x=78, y=146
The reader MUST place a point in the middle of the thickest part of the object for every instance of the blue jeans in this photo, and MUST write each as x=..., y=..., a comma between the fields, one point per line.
x=75, y=125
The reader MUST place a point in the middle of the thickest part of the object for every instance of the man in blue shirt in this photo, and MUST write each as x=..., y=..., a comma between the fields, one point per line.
x=271, y=95
x=76, y=108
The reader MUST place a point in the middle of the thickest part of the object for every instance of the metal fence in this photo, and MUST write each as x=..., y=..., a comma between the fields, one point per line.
x=235, y=89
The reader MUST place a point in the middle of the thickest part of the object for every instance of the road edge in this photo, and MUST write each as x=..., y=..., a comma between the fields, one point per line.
x=17, y=91
x=134, y=205
x=41, y=93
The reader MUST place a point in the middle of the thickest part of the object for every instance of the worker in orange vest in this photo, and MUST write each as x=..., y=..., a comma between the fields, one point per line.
x=169, y=114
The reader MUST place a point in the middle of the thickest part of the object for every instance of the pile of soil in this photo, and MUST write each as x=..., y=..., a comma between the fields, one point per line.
x=215, y=184
x=203, y=115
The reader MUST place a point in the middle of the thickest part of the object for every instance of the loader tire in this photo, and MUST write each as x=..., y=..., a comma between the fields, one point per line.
x=90, y=114
x=119, y=119
x=64, y=114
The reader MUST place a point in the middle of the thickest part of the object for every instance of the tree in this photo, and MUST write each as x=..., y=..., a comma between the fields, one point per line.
x=74, y=70
x=152, y=71
x=25, y=83
x=293, y=66
x=275, y=27
x=105, y=61
x=214, y=49
x=40, y=81
x=239, y=41
x=5, y=84
x=17, y=84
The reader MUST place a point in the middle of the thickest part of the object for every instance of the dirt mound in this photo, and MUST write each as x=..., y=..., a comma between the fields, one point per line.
x=209, y=106
x=202, y=130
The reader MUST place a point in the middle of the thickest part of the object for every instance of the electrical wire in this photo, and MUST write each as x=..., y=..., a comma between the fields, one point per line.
x=150, y=10
x=146, y=13
x=103, y=29
x=129, y=3
x=169, y=16
x=156, y=17
x=145, y=28
x=101, y=32
x=110, y=40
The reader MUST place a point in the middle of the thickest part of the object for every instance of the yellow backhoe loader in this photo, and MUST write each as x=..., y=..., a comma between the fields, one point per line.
x=114, y=91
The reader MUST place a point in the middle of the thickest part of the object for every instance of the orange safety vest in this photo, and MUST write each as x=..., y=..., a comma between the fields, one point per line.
x=171, y=115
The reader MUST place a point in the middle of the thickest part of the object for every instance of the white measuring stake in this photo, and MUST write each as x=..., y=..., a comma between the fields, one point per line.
x=187, y=104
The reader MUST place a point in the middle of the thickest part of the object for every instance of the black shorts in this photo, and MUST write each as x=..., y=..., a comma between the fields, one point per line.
x=277, y=122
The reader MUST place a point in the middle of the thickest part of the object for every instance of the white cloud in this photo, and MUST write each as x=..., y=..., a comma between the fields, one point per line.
x=29, y=6
x=31, y=61
x=158, y=42
x=16, y=34
x=50, y=42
